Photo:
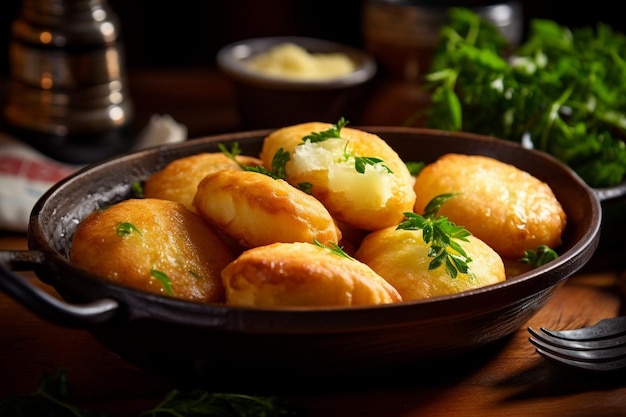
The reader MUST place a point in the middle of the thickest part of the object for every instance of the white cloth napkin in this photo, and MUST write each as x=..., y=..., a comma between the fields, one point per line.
x=26, y=174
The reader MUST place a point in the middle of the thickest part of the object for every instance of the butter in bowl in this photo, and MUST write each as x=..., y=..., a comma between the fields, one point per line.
x=289, y=79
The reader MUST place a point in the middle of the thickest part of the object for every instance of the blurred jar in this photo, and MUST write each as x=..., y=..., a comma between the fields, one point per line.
x=402, y=34
x=67, y=94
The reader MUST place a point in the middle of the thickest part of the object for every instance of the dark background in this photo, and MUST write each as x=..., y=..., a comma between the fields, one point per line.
x=187, y=33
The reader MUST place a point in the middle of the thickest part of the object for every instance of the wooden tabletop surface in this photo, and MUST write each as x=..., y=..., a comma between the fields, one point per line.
x=509, y=379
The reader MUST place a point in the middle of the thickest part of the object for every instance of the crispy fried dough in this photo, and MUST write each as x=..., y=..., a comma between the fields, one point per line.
x=509, y=209
x=302, y=275
x=255, y=209
x=153, y=245
x=401, y=257
x=179, y=179
x=370, y=200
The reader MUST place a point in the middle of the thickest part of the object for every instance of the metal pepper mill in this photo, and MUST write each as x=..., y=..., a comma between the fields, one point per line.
x=67, y=95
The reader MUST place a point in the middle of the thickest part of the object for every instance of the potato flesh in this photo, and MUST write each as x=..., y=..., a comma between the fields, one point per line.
x=356, y=209
x=370, y=188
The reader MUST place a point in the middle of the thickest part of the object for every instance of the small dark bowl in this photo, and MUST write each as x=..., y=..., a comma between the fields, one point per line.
x=268, y=102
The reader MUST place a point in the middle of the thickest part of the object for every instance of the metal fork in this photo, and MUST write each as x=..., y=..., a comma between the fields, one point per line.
x=601, y=347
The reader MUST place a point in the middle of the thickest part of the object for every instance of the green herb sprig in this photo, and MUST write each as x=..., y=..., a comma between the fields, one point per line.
x=126, y=228
x=540, y=256
x=136, y=189
x=415, y=167
x=442, y=235
x=334, y=132
x=163, y=279
x=198, y=403
x=278, y=161
x=52, y=399
x=360, y=162
x=562, y=91
x=334, y=248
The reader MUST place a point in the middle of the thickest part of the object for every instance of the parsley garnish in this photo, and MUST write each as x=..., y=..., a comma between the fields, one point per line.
x=333, y=133
x=334, y=248
x=279, y=160
x=442, y=235
x=234, y=151
x=51, y=399
x=307, y=187
x=202, y=403
x=360, y=162
x=126, y=228
x=541, y=256
x=415, y=167
x=163, y=279
x=137, y=189
x=562, y=91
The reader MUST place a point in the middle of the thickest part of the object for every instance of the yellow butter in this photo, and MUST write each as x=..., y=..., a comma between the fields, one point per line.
x=291, y=61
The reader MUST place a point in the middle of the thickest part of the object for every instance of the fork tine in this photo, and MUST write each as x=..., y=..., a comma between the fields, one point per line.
x=585, y=344
x=590, y=366
x=603, y=329
x=597, y=355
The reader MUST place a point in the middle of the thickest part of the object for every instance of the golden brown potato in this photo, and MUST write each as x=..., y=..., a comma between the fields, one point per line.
x=509, y=209
x=255, y=209
x=153, y=245
x=371, y=200
x=179, y=179
x=401, y=258
x=302, y=275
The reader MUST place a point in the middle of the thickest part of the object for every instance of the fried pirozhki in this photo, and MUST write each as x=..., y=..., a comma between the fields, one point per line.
x=506, y=207
x=360, y=179
x=402, y=258
x=303, y=275
x=153, y=245
x=179, y=179
x=255, y=209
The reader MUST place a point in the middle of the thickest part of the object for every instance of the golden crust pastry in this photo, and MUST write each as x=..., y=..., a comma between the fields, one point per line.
x=302, y=275
x=370, y=200
x=179, y=180
x=509, y=209
x=153, y=245
x=255, y=209
x=401, y=258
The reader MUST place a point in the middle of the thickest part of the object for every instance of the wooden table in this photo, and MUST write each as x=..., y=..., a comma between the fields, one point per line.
x=509, y=379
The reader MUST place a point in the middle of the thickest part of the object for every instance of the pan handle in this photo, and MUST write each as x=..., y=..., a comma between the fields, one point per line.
x=612, y=193
x=43, y=304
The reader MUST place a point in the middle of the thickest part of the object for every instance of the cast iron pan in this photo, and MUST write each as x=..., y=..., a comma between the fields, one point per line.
x=220, y=346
